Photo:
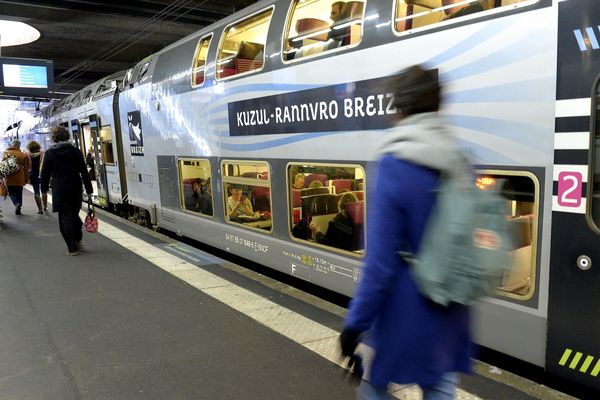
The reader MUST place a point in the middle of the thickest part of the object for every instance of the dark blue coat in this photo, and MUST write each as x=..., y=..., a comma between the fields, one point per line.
x=415, y=340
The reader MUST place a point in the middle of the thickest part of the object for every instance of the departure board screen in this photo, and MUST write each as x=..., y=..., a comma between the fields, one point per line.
x=25, y=76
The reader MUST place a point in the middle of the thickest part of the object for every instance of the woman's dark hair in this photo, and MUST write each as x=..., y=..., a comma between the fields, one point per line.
x=33, y=146
x=416, y=90
x=60, y=134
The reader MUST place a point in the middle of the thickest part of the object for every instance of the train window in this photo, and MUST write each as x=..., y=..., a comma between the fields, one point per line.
x=242, y=45
x=199, y=66
x=247, y=193
x=195, y=185
x=327, y=205
x=594, y=191
x=316, y=27
x=144, y=70
x=521, y=190
x=108, y=156
x=413, y=14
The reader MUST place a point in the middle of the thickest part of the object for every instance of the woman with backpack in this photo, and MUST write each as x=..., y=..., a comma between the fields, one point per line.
x=16, y=181
x=415, y=339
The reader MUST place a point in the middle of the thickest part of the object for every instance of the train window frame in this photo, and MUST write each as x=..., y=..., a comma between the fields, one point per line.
x=358, y=254
x=104, y=145
x=535, y=238
x=225, y=179
x=593, y=158
x=182, y=207
x=285, y=35
x=195, y=69
x=449, y=23
x=224, y=33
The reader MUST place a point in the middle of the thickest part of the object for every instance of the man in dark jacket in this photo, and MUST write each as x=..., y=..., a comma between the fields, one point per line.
x=415, y=340
x=64, y=164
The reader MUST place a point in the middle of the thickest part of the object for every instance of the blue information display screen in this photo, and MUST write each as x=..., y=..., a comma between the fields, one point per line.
x=25, y=76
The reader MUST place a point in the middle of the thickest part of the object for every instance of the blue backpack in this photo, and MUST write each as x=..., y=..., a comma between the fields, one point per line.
x=466, y=245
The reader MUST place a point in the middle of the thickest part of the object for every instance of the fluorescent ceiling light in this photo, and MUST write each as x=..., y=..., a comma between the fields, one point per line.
x=13, y=33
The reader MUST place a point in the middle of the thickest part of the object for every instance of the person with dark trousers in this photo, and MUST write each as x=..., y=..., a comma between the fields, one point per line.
x=15, y=182
x=415, y=340
x=37, y=155
x=91, y=164
x=65, y=167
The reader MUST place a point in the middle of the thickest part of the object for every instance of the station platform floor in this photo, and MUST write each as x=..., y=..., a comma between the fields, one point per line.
x=138, y=315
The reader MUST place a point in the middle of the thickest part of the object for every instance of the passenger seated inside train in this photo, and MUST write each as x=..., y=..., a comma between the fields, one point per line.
x=466, y=9
x=238, y=204
x=335, y=15
x=340, y=230
x=200, y=199
x=346, y=19
x=298, y=181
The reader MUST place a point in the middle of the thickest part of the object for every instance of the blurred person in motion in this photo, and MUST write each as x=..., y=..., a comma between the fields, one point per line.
x=65, y=167
x=415, y=340
x=36, y=156
x=15, y=182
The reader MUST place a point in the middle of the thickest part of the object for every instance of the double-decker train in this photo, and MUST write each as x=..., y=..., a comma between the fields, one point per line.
x=281, y=107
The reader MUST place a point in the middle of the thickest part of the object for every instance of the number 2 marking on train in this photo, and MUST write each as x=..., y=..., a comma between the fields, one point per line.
x=569, y=189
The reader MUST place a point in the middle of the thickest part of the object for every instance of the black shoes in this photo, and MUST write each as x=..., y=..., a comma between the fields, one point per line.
x=18, y=210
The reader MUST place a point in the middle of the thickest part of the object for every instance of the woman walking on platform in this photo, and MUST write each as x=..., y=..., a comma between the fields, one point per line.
x=36, y=155
x=64, y=164
x=16, y=181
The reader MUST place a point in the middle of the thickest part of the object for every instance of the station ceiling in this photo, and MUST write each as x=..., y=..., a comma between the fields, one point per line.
x=88, y=39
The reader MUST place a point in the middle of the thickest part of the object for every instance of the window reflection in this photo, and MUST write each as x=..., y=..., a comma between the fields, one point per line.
x=412, y=14
x=196, y=186
x=247, y=194
x=521, y=194
x=327, y=205
x=319, y=26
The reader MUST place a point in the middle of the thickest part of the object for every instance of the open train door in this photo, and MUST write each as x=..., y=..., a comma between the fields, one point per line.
x=76, y=134
x=574, y=300
x=99, y=166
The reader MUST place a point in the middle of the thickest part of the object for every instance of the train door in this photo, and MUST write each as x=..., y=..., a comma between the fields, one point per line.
x=110, y=164
x=99, y=163
x=574, y=304
x=76, y=132
x=118, y=145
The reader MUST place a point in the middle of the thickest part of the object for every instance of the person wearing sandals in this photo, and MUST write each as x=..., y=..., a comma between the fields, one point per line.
x=64, y=165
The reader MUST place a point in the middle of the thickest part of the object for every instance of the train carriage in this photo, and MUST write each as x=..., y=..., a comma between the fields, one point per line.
x=284, y=104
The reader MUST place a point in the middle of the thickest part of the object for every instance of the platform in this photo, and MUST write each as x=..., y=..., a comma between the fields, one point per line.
x=140, y=316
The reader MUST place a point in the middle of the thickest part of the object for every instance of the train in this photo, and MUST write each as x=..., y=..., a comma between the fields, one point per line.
x=283, y=105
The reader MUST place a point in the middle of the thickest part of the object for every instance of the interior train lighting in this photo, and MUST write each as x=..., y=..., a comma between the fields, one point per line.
x=485, y=182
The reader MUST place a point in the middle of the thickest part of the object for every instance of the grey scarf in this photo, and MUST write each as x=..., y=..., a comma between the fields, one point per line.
x=423, y=139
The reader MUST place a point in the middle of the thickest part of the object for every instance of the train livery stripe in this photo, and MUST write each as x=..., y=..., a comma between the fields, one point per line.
x=586, y=364
x=565, y=357
x=559, y=205
x=572, y=141
x=573, y=107
x=571, y=152
x=574, y=362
